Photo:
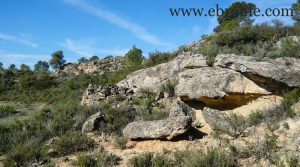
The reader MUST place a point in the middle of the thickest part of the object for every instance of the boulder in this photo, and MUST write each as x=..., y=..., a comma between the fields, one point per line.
x=160, y=129
x=273, y=74
x=92, y=122
x=179, y=108
x=217, y=87
x=153, y=78
x=215, y=117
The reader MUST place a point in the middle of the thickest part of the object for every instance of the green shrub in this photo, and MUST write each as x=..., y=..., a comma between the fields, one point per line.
x=142, y=160
x=157, y=57
x=115, y=119
x=120, y=142
x=72, y=142
x=98, y=159
x=255, y=118
x=6, y=110
x=23, y=154
x=289, y=98
x=85, y=160
x=235, y=127
x=162, y=160
x=105, y=159
x=264, y=149
x=293, y=161
x=209, y=51
x=148, y=113
x=150, y=160
x=289, y=48
x=169, y=87
x=200, y=158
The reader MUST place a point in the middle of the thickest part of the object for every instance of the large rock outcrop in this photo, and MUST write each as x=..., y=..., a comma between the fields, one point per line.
x=160, y=129
x=233, y=81
x=93, y=67
x=154, y=77
x=217, y=86
x=272, y=74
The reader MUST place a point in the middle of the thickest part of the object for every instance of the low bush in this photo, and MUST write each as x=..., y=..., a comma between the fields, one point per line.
x=255, y=118
x=157, y=57
x=265, y=149
x=150, y=160
x=98, y=159
x=115, y=119
x=120, y=142
x=290, y=98
x=146, y=112
x=200, y=158
x=209, y=51
x=26, y=153
x=235, y=126
x=73, y=142
x=168, y=87
x=185, y=158
x=85, y=160
x=293, y=161
x=6, y=110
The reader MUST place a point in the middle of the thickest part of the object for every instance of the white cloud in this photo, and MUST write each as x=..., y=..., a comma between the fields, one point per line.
x=8, y=58
x=139, y=31
x=22, y=39
x=85, y=48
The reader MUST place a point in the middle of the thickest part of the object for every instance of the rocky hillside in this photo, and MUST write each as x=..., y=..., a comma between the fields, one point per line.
x=238, y=98
x=232, y=81
x=93, y=67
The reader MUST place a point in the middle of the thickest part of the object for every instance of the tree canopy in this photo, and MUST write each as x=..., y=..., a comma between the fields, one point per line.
x=41, y=66
x=296, y=14
x=134, y=56
x=238, y=12
x=57, y=60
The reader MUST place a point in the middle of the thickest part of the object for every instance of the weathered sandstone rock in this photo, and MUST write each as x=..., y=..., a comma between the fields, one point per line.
x=273, y=74
x=179, y=108
x=92, y=122
x=94, y=94
x=296, y=107
x=160, y=129
x=153, y=78
x=217, y=86
x=93, y=67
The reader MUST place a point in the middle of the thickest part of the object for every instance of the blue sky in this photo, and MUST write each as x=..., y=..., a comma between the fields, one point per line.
x=32, y=30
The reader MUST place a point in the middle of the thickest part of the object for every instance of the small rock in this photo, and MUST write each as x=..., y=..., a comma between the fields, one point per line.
x=92, y=123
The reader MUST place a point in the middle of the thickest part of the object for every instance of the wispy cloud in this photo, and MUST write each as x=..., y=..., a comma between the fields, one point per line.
x=8, y=58
x=137, y=30
x=22, y=39
x=86, y=48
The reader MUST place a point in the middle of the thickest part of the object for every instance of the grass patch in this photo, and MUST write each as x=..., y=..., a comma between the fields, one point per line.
x=120, y=142
x=99, y=159
x=73, y=142
x=6, y=110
